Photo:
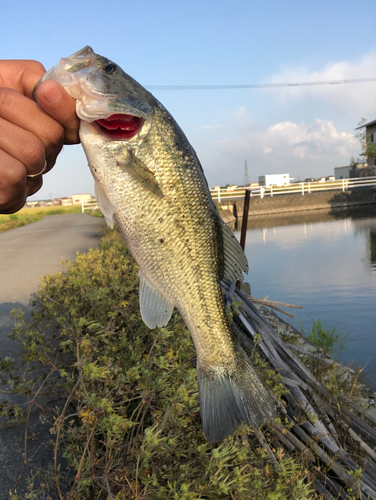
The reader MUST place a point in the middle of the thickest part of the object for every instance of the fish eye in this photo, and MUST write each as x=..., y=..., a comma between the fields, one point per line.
x=109, y=68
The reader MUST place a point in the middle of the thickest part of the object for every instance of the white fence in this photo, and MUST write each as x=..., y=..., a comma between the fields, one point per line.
x=299, y=188
x=89, y=205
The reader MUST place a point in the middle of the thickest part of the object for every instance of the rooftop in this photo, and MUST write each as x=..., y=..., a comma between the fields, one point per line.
x=367, y=124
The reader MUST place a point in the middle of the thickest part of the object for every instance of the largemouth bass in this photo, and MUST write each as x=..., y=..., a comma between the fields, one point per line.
x=149, y=180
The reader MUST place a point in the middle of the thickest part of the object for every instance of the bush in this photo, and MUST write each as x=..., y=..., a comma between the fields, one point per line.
x=130, y=428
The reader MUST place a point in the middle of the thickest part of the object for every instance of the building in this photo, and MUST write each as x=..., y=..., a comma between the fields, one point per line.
x=370, y=137
x=274, y=180
x=342, y=172
x=66, y=201
x=77, y=199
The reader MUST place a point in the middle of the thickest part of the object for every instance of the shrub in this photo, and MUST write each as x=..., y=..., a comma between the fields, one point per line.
x=130, y=427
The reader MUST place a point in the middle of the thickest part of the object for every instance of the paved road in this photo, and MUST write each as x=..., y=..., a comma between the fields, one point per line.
x=27, y=254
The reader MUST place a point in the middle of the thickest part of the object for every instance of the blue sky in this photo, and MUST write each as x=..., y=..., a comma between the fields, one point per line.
x=302, y=131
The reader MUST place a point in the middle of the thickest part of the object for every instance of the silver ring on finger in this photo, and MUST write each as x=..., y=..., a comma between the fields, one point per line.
x=39, y=173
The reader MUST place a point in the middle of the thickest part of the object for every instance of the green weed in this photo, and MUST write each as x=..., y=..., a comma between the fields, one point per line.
x=96, y=213
x=130, y=428
x=328, y=339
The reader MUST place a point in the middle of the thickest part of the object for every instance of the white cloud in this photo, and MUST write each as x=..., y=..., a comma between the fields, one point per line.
x=303, y=130
x=288, y=139
x=357, y=99
x=297, y=148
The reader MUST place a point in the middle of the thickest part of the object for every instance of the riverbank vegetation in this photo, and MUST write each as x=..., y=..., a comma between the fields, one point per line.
x=331, y=341
x=129, y=426
x=28, y=215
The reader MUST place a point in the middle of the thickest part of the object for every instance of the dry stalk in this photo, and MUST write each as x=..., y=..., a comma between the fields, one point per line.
x=25, y=464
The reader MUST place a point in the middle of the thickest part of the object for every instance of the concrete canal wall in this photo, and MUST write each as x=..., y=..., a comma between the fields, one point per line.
x=297, y=202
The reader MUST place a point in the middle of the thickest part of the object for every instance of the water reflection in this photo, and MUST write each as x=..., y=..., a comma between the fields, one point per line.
x=324, y=260
x=372, y=247
x=365, y=217
x=308, y=217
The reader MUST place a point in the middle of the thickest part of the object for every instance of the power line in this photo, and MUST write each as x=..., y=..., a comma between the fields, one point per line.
x=257, y=85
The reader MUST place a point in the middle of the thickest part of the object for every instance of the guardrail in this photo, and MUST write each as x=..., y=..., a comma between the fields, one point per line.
x=298, y=188
x=92, y=205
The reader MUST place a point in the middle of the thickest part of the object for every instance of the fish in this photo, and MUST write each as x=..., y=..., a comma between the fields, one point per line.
x=149, y=180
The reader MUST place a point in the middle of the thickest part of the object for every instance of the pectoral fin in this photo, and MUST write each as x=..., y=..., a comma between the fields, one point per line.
x=107, y=208
x=155, y=309
x=140, y=172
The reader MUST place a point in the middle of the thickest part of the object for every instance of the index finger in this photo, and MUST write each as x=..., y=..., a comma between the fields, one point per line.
x=20, y=75
x=54, y=99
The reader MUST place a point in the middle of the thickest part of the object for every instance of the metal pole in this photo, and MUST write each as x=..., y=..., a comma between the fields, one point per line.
x=243, y=233
x=219, y=194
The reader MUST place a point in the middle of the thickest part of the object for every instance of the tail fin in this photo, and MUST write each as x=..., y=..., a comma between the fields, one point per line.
x=228, y=400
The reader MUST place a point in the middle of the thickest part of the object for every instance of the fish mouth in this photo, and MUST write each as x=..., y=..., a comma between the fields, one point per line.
x=120, y=126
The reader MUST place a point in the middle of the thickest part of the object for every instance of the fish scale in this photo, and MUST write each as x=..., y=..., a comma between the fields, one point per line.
x=153, y=186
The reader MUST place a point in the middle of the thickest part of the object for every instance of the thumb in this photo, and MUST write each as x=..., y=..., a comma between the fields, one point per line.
x=53, y=98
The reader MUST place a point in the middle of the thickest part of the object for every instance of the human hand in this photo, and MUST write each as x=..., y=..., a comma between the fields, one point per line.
x=31, y=134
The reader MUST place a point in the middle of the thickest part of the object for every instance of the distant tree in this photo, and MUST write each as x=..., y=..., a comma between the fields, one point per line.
x=354, y=162
x=361, y=135
x=371, y=151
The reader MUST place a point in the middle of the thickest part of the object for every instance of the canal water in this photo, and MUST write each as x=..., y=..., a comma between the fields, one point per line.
x=324, y=261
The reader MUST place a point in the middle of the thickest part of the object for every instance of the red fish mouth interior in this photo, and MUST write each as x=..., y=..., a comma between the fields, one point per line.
x=121, y=126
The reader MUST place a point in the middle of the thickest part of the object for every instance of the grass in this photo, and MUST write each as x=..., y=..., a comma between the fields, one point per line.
x=328, y=339
x=28, y=215
x=130, y=427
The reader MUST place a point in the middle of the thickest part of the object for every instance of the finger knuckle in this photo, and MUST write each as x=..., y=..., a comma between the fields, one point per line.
x=14, y=175
x=10, y=206
x=34, y=185
x=37, y=66
x=56, y=135
x=54, y=141
x=11, y=202
x=7, y=100
x=34, y=150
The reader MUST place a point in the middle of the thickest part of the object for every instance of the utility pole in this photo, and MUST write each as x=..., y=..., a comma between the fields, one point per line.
x=246, y=176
